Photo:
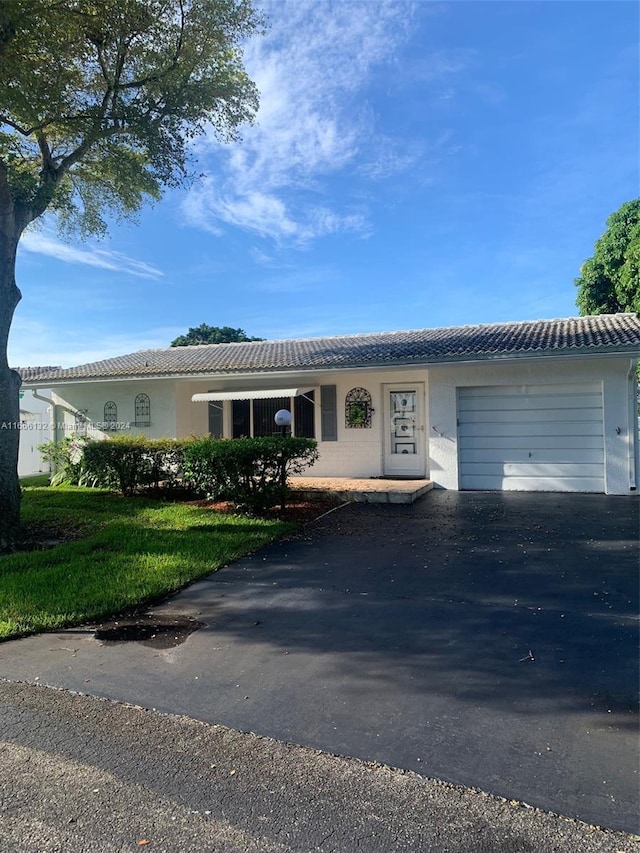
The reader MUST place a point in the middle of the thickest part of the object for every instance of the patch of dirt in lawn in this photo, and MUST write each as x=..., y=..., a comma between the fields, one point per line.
x=40, y=536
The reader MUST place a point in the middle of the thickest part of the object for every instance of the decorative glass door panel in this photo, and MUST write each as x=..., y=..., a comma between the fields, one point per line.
x=404, y=436
x=403, y=422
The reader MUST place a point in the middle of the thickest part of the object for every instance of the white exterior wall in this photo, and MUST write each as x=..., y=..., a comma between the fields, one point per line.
x=356, y=453
x=620, y=443
x=359, y=452
x=92, y=396
x=35, y=420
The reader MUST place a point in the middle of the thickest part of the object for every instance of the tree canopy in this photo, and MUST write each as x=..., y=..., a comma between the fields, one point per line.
x=204, y=334
x=100, y=101
x=609, y=282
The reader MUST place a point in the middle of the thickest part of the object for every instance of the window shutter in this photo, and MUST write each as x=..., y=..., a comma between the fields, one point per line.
x=329, y=413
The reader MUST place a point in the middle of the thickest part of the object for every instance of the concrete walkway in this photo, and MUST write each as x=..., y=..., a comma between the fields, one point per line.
x=362, y=490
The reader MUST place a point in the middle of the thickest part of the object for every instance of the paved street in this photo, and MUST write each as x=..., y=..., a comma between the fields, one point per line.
x=489, y=640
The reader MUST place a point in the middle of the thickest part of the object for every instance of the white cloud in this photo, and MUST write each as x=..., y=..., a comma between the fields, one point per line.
x=38, y=242
x=311, y=68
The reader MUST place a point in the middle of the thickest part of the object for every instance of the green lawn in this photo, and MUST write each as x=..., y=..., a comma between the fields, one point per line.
x=128, y=551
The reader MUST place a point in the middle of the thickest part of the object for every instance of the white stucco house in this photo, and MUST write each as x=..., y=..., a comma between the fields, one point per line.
x=547, y=405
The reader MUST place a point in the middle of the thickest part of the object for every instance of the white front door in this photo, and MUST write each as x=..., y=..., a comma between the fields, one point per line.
x=404, y=436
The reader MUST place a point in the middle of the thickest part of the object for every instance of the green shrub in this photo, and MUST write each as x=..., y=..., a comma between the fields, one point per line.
x=66, y=459
x=129, y=463
x=250, y=472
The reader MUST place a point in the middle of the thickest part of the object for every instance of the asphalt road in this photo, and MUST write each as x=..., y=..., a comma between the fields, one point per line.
x=489, y=640
x=83, y=775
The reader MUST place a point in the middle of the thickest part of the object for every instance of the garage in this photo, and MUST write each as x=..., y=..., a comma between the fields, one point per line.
x=531, y=438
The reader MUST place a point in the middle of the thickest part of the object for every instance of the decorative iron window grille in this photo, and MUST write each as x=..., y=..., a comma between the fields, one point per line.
x=142, y=411
x=357, y=409
x=110, y=415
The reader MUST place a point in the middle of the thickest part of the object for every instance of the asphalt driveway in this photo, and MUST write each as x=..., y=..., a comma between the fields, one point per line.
x=485, y=639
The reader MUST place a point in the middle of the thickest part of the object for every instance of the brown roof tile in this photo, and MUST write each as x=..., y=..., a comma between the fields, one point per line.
x=604, y=332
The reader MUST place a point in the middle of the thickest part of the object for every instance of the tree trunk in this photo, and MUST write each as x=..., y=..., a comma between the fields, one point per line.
x=10, y=231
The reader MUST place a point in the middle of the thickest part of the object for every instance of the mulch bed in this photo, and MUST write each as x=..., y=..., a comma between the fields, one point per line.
x=297, y=511
x=40, y=536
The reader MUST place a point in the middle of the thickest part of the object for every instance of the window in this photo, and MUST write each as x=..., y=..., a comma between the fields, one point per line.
x=357, y=409
x=256, y=417
x=110, y=415
x=241, y=418
x=142, y=411
x=304, y=415
x=264, y=412
x=215, y=420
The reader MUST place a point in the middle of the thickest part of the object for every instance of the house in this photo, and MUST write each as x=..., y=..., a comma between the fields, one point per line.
x=35, y=429
x=547, y=405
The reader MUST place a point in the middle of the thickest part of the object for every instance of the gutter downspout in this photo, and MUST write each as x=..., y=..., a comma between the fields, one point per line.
x=633, y=423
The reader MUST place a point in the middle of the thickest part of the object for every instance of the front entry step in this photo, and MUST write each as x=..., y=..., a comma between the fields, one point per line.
x=361, y=490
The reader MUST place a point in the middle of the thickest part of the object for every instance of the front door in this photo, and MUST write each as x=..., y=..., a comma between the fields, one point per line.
x=404, y=437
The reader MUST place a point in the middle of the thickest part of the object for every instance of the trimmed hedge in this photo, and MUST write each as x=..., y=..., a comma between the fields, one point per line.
x=250, y=472
x=129, y=463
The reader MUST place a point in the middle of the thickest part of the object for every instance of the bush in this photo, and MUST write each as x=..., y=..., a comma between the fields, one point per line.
x=129, y=463
x=250, y=472
x=66, y=459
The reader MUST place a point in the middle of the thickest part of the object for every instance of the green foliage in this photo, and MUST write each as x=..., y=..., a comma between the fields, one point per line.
x=128, y=463
x=250, y=472
x=610, y=281
x=116, y=553
x=66, y=459
x=204, y=334
x=100, y=101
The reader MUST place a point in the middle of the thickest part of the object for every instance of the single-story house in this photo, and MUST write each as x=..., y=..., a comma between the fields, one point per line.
x=547, y=405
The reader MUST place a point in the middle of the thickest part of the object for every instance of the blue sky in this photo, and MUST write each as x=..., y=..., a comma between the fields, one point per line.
x=414, y=164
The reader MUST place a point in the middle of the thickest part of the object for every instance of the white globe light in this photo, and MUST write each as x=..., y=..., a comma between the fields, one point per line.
x=282, y=418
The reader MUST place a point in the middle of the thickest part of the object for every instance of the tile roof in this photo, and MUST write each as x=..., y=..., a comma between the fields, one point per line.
x=32, y=373
x=571, y=336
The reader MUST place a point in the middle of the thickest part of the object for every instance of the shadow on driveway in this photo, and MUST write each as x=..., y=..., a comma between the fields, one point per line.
x=488, y=639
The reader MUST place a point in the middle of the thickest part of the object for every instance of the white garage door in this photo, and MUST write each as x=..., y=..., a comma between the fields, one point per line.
x=531, y=438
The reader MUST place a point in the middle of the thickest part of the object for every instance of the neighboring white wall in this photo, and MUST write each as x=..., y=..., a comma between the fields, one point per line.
x=612, y=372
x=35, y=421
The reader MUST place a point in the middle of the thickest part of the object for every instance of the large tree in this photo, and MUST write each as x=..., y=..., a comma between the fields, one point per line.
x=99, y=103
x=609, y=282
x=204, y=334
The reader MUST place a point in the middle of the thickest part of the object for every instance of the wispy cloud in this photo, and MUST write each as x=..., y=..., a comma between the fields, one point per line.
x=312, y=69
x=41, y=243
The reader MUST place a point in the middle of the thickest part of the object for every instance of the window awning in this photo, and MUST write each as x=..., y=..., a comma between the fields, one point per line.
x=259, y=394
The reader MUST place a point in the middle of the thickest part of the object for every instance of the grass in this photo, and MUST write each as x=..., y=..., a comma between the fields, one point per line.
x=128, y=551
x=35, y=480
